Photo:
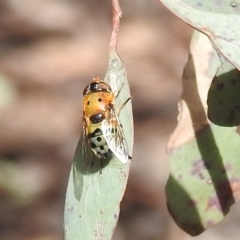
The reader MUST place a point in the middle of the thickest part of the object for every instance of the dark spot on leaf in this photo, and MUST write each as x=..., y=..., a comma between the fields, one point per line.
x=233, y=81
x=201, y=176
x=192, y=203
x=213, y=202
x=88, y=102
x=225, y=197
x=93, y=145
x=198, y=166
x=220, y=86
x=179, y=176
x=231, y=116
x=197, y=163
x=208, y=165
x=223, y=170
x=99, y=99
x=70, y=209
x=234, y=4
x=102, y=147
x=99, y=139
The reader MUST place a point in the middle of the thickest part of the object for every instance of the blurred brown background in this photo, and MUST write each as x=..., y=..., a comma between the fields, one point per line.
x=49, y=50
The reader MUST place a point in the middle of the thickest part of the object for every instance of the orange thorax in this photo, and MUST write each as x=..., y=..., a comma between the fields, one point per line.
x=97, y=102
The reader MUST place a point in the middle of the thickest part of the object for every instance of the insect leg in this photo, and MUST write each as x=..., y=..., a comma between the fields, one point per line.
x=120, y=89
x=122, y=106
x=101, y=167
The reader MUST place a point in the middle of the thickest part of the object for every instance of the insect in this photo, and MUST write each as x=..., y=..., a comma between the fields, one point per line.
x=102, y=131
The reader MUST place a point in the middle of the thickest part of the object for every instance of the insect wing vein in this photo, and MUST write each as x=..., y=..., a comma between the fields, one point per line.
x=113, y=133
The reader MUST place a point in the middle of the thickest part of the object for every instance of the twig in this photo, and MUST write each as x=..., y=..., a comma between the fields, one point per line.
x=117, y=13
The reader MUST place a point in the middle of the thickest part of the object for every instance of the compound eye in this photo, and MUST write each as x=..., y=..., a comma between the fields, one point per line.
x=104, y=86
x=85, y=90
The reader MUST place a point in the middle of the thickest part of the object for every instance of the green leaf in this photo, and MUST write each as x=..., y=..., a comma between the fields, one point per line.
x=219, y=20
x=205, y=179
x=204, y=158
x=223, y=96
x=93, y=198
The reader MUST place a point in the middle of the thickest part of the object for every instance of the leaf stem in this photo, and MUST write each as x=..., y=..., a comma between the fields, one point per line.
x=117, y=13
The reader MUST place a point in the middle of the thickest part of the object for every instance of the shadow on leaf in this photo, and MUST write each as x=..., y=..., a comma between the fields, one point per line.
x=185, y=215
x=184, y=208
x=85, y=163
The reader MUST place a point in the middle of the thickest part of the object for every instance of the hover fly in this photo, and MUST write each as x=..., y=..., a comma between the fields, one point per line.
x=102, y=131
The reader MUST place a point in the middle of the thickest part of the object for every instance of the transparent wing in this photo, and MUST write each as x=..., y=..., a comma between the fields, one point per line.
x=87, y=154
x=113, y=133
x=89, y=162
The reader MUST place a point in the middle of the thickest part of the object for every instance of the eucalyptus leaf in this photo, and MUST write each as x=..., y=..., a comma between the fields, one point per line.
x=223, y=96
x=93, y=197
x=205, y=173
x=219, y=20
